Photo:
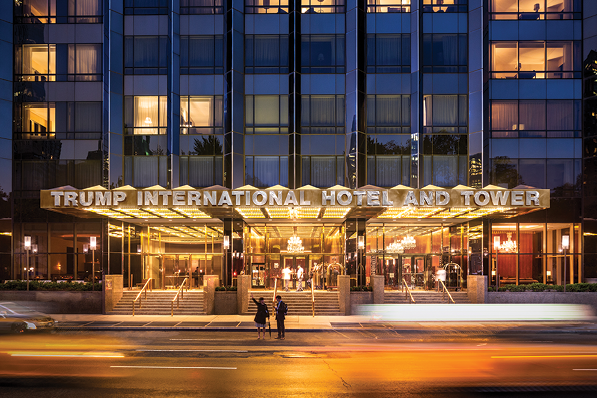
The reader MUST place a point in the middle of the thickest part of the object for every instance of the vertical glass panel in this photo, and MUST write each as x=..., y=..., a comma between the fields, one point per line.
x=267, y=110
x=445, y=110
x=201, y=111
x=560, y=58
x=145, y=171
x=504, y=58
x=532, y=115
x=146, y=112
x=163, y=111
x=532, y=172
x=560, y=174
x=560, y=115
x=504, y=115
x=531, y=60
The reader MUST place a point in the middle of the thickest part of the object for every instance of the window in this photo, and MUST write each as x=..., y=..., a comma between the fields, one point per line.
x=59, y=62
x=201, y=55
x=201, y=171
x=322, y=114
x=36, y=62
x=444, y=53
x=201, y=7
x=266, y=6
x=388, y=5
x=535, y=60
x=535, y=9
x=388, y=159
x=145, y=55
x=388, y=53
x=386, y=113
x=266, y=114
x=201, y=115
x=531, y=118
x=442, y=113
x=145, y=115
x=322, y=6
x=266, y=171
x=47, y=11
x=444, y=170
x=85, y=62
x=323, y=171
x=146, y=7
x=266, y=54
x=322, y=54
x=445, y=5
x=146, y=171
x=38, y=120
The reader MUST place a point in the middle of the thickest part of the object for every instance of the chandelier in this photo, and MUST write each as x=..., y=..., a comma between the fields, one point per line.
x=509, y=245
x=408, y=242
x=395, y=247
x=295, y=245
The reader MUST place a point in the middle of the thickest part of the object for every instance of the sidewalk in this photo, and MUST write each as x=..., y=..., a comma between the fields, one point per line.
x=305, y=324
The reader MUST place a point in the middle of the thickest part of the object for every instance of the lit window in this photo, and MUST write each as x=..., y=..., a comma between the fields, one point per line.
x=445, y=5
x=38, y=120
x=388, y=5
x=534, y=9
x=266, y=6
x=322, y=6
x=37, y=62
x=146, y=114
x=199, y=115
x=85, y=61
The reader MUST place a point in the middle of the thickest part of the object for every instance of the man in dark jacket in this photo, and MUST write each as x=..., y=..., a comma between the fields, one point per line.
x=281, y=310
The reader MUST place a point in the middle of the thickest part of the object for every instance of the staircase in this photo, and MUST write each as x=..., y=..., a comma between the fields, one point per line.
x=159, y=303
x=326, y=303
x=428, y=297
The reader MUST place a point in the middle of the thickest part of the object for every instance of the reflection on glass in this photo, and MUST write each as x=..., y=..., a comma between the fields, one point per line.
x=85, y=60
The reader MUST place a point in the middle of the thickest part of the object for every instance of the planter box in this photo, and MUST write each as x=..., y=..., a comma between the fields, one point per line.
x=56, y=302
x=589, y=298
x=225, y=303
x=358, y=298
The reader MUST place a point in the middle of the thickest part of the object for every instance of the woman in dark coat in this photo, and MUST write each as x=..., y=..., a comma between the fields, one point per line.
x=260, y=317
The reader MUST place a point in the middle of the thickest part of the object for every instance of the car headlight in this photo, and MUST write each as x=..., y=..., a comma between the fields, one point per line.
x=31, y=325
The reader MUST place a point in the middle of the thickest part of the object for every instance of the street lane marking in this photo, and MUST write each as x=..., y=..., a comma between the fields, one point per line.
x=198, y=339
x=542, y=356
x=193, y=350
x=584, y=369
x=81, y=355
x=174, y=367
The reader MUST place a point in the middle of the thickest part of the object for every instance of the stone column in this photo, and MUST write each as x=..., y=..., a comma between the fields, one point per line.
x=209, y=292
x=242, y=293
x=377, y=282
x=113, y=291
x=344, y=293
x=476, y=288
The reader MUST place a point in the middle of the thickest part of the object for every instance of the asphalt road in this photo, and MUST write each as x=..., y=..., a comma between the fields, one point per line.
x=323, y=364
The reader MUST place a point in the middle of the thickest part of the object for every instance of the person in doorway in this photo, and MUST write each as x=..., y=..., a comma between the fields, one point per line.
x=261, y=316
x=281, y=311
x=440, y=275
x=286, y=276
x=299, y=277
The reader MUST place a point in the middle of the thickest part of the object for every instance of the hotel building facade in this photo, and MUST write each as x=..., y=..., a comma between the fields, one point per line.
x=228, y=137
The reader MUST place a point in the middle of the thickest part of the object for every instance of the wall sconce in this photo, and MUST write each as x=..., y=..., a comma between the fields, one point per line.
x=85, y=248
x=34, y=249
x=361, y=242
x=565, y=242
x=138, y=248
x=496, y=242
x=27, y=242
x=92, y=242
x=226, y=242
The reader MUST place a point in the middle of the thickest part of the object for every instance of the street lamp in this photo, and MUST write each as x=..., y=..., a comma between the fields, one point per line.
x=27, y=242
x=92, y=246
x=565, y=246
x=496, y=245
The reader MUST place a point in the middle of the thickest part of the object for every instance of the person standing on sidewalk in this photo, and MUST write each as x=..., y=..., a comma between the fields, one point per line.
x=286, y=276
x=281, y=310
x=299, y=277
x=260, y=317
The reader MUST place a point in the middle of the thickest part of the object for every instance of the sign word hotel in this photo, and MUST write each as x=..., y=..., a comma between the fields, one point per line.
x=309, y=197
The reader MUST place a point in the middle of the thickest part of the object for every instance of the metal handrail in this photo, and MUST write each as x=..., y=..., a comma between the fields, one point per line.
x=144, y=289
x=312, y=298
x=444, y=291
x=275, y=290
x=179, y=293
x=408, y=292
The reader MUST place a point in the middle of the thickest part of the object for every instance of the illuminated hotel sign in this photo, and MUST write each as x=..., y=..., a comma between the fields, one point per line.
x=353, y=198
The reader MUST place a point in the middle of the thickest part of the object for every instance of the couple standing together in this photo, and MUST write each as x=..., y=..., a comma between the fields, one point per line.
x=263, y=314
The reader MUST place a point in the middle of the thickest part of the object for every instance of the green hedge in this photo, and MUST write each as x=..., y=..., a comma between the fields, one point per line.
x=37, y=285
x=361, y=288
x=225, y=288
x=541, y=287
